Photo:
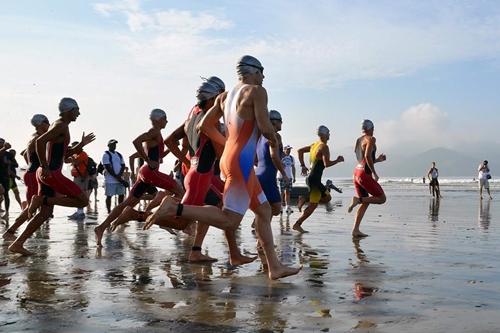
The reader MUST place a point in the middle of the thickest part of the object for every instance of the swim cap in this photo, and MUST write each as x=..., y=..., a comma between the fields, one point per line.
x=38, y=119
x=217, y=82
x=206, y=91
x=323, y=130
x=275, y=115
x=157, y=114
x=248, y=65
x=67, y=104
x=367, y=125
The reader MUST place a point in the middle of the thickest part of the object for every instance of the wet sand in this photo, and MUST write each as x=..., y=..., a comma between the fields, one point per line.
x=427, y=266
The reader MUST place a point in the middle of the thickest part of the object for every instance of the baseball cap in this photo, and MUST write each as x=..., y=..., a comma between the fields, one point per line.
x=112, y=141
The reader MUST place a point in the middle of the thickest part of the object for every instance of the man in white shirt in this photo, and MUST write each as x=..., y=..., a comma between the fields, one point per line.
x=286, y=187
x=484, y=176
x=113, y=171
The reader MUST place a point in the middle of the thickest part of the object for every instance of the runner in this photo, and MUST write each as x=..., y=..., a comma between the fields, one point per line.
x=13, y=165
x=202, y=185
x=365, y=177
x=4, y=175
x=41, y=124
x=319, y=155
x=54, y=188
x=268, y=164
x=149, y=175
x=286, y=187
x=245, y=114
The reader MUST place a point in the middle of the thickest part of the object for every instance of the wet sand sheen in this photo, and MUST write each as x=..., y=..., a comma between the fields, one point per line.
x=426, y=266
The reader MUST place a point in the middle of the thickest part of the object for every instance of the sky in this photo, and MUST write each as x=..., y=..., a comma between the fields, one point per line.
x=425, y=72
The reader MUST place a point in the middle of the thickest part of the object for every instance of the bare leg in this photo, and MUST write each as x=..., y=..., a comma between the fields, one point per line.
x=9, y=233
x=357, y=221
x=99, y=230
x=265, y=235
x=128, y=214
x=18, y=245
x=301, y=202
x=276, y=208
x=195, y=255
x=305, y=214
x=235, y=256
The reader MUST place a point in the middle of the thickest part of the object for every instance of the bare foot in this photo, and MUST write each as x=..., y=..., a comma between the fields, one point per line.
x=298, y=228
x=358, y=234
x=9, y=236
x=99, y=232
x=197, y=256
x=36, y=202
x=168, y=208
x=283, y=271
x=354, y=202
x=241, y=260
x=18, y=248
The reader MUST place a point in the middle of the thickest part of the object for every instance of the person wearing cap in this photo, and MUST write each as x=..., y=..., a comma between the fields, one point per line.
x=41, y=124
x=79, y=162
x=483, y=177
x=114, y=166
x=202, y=185
x=366, y=187
x=319, y=156
x=4, y=174
x=286, y=187
x=149, y=146
x=269, y=163
x=245, y=115
x=55, y=189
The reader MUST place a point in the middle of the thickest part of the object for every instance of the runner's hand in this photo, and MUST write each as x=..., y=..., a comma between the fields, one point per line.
x=340, y=158
x=381, y=158
x=7, y=145
x=86, y=139
x=304, y=171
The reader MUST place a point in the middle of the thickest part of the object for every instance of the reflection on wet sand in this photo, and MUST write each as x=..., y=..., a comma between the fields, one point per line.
x=434, y=209
x=407, y=276
x=484, y=214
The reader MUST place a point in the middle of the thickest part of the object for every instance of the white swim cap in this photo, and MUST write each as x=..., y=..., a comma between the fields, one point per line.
x=323, y=130
x=38, y=119
x=157, y=114
x=217, y=82
x=367, y=125
x=67, y=104
x=206, y=91
x=275, y=115
x=248, y=65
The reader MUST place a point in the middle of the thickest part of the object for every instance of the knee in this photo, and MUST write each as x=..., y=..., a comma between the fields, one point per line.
x=383, y=199
x=276, y=209
x=265, y=212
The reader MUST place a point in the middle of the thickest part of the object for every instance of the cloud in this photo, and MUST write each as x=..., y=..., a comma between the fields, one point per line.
x=316, y=44
x=424, y=124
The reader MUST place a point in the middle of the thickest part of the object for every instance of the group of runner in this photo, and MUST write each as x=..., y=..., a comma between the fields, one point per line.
x=208, y=151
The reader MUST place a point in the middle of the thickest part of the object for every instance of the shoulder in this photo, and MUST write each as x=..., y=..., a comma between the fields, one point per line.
x=255, y=91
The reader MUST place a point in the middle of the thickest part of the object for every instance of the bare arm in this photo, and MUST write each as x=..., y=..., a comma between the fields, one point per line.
x=325, y=152
x=172, y=143
x=293, y=171
x=150, y=135
x=86, y=139
x=209, y=125
x=368, y=155
x=131, y=163
x=259, y=96
x=276, y=159
x=301, y=153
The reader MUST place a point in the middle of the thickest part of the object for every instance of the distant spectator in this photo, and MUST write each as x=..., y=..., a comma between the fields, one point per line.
x=114, y=166
x=484, y=176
